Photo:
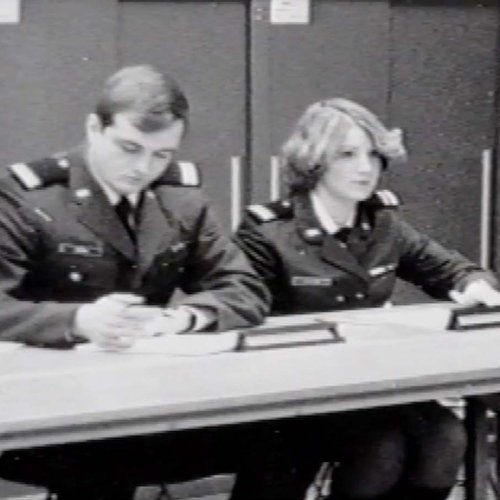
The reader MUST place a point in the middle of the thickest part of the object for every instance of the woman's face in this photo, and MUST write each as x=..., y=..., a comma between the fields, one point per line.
x=353, y=168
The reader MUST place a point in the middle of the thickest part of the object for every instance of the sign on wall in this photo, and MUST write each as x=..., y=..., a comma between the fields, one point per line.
x=10, y=11
x=290, y=11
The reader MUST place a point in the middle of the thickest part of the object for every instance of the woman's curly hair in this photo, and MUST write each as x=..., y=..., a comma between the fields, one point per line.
x=321, y=129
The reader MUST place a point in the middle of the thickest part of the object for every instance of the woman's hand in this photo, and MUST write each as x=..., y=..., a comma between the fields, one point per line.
x=477, y=292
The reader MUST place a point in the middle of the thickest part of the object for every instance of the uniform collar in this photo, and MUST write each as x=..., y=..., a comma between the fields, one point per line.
x=307, y=223
x=113, y=197
x=330, y=249
x=325, y=220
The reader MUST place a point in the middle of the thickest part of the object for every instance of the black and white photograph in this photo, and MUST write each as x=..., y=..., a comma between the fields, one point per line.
x=249, y=250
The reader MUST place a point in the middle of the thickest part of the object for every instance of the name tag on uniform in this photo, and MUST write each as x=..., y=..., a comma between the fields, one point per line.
x=311, y=281
x=80, y=249
x=377, y=271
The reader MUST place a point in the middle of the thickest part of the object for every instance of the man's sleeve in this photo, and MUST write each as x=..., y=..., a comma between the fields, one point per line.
x=435, y=269
x=35, y=323
x=260, y=251
x=219, y=277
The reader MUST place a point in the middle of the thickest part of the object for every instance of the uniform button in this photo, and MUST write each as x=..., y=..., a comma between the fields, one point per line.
x=164, y=264
x=134, y=266
x=340, y=298
x=75, y=276
x=302, y=252
x=360, y=295
x=342, y=245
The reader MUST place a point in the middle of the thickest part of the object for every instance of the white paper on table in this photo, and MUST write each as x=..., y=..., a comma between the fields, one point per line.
x=7, y=346
x=185, y=344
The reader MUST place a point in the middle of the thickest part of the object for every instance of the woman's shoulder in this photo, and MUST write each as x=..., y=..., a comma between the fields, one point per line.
x=275, y=211
x=384, y=198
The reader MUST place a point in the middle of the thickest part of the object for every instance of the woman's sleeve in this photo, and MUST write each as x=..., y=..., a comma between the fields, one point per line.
x=435, y=269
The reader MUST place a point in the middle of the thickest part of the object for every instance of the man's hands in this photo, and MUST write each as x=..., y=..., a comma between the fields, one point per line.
x=117, y=320
x=172, y=320
x=114, y=321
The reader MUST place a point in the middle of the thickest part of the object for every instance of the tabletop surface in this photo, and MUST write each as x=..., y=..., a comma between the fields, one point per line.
x=391, y=356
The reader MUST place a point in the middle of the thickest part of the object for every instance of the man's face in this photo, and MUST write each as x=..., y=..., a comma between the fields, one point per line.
x=126, y=159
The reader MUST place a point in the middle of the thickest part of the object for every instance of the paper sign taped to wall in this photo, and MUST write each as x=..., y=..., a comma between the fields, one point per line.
x=290, y=11
x=10, y=11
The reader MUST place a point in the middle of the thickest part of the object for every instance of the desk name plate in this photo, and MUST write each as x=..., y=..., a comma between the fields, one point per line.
x=474, y=317
x=288, y=336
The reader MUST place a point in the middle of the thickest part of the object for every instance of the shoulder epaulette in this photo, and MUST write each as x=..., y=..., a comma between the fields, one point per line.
x=281, y=209
x=385, y=198
x=181, y=173
x=41, y=173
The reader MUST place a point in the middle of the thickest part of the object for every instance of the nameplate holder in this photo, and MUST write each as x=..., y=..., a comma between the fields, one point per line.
x=474, y=318
x=288, y=336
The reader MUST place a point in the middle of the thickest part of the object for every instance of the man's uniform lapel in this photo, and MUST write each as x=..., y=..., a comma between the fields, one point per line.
x=94, y=210
x=156, y=231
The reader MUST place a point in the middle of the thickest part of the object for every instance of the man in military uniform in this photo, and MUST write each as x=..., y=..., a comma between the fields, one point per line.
x=94, y=243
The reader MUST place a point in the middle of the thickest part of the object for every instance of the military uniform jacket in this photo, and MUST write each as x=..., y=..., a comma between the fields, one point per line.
x=62, y=244
x=308, y=270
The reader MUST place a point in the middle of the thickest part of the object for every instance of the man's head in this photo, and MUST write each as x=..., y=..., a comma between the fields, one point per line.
x=136, y=129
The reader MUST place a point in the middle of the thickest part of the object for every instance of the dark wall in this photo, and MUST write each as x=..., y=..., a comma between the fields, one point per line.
x=52, y=65
x=442, y=93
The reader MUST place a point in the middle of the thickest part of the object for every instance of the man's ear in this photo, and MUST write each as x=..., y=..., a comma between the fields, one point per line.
x=93, y=125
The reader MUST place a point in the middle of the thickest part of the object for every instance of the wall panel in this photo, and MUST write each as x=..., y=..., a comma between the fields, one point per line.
x=53, y=63
x=442, y=92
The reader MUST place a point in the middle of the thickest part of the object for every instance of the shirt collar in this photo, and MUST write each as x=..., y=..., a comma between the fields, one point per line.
x=326, y=221
x=114, y=198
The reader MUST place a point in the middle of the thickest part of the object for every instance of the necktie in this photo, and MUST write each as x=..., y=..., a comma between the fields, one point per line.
x=125, y=212
x=343, y=234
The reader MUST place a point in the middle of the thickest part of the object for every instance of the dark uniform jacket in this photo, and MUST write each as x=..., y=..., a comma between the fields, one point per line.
x=308, y=270
x=62, y=244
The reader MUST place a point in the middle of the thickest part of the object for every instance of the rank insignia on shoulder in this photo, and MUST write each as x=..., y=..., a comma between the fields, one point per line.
x=281, y=209
x=262, y=213
x=41, y=173
x=386, y=198
x=181, y=173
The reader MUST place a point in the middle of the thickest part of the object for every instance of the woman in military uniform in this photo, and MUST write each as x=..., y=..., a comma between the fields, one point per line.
x=338, y=243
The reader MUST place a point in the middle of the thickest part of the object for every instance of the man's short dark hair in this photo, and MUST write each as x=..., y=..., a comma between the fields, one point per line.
x=155, y=99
